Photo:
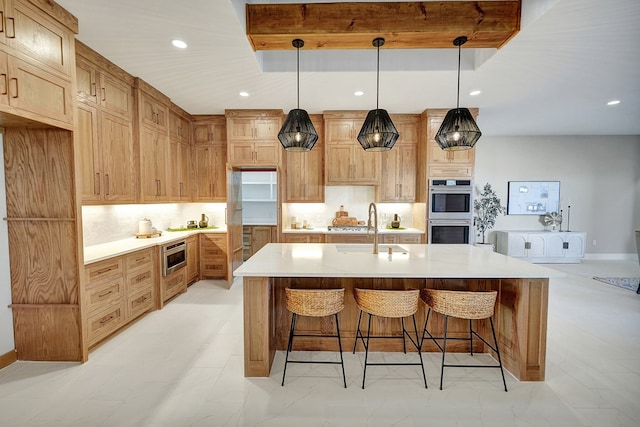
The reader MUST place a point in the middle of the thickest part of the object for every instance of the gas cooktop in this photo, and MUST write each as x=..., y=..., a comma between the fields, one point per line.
x=352, y=228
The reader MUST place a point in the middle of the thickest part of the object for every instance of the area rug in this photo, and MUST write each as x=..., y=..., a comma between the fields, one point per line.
x=630, y=283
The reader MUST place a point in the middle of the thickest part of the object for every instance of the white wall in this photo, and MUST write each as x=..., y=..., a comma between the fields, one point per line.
x=7, y=343
x=599, y=177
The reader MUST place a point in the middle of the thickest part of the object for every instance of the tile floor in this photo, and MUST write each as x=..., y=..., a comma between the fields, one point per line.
x=182, y=366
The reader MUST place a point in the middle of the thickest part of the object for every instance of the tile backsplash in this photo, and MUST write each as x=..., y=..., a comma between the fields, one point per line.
x=102, y=224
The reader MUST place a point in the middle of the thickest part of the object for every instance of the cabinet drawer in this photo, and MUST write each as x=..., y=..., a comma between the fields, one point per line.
x=451, y=171
x=140, y=303
x=105, y=294
x=141, y=259
x=138, y=280
x=409, y=238
x=174, y=284
x=213, y=269
x=112, y=267
x=210, y=239
x=105, y=322
x=212, y=252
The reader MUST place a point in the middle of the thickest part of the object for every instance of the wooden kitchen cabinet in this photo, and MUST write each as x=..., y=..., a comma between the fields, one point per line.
x=104, y=130
x=346, y=162
x=153, y=115
x=446, y=164
x=180, y=154
x=399, y=164
x=252, y=137
x=210, y=158
x=117, y=291
x=173, y=284
x=193, y=259
x=37, y=58
x=213, y=256
x=349, y=238
x=400, y=238
x=302, y=238
x=305, y=170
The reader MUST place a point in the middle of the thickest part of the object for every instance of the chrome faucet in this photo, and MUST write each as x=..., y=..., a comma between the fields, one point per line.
x=373, y=210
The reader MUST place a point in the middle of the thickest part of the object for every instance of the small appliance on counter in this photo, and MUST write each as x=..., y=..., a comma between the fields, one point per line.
x=146, y=230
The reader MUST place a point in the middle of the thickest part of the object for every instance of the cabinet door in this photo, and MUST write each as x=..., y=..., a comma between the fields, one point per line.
x=218, y=165
x=366, y=166
x=260, y=236
x=180, y=159
x=575, y=245
x=517, y=245
x=406, y=172
x=554, y=247
x=89, y=156
x=267, y=129
x=203, y=184
x=152, y=112
x=39, y=36
x=209, y=133
x=118, y=167
x=240, y=129
x=241, y=153
x=340, y=131
x=388, y=189
x=193, y=259
x=179, y=127
x=116, y=96
x=36, y=91
x=86, y=81
x=267, y=153
x=536, y=246
x=338, y=163
x=153, y=163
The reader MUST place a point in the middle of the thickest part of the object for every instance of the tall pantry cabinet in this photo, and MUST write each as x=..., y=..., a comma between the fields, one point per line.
x=43, y=198
x=105, y=130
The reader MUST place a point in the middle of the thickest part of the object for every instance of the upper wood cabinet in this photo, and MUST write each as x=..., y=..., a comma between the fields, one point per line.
x=446, y=164
x=252, y=137
x=398, y=165
x=305, y=170
x=210, y=158
x=104, y=130
x=180, y=164
x=37, y=58
x=153, y=134
x=346, y=162
x=100, y=82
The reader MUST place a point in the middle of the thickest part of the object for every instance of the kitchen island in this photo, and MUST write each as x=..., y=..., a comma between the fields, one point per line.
x=520, y=318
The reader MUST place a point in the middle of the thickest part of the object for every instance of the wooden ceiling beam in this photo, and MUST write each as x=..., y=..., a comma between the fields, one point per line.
x=404, y=25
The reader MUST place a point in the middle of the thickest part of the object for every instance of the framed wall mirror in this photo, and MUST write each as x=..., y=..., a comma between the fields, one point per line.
x=533, y=197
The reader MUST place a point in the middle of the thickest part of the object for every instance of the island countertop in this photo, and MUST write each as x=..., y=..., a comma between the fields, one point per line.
x=407, y=261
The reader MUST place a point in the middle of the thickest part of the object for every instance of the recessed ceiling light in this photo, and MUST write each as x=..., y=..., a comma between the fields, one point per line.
x=475, y=92
x=614, y=102
x=358, y=93
x=245, y=94
x=179, y=44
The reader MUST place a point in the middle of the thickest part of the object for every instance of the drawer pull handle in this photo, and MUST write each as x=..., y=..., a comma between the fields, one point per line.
x=106, y=320
x=5, y=86
x=16, y=93
x=105, y=270
x=104, y=294
x=13, y=29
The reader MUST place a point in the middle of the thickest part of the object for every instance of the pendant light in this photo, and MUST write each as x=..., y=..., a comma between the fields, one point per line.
x=378, y=132
x=458, y=130
x=297, y=132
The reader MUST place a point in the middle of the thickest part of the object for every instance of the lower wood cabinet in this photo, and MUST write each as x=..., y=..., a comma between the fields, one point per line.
x=400, y=238
x=193, y=259
x=254, y=237
x=172, y=285
x=348, y=238
x=213, y=255
x=302, y=238
x=117, y=291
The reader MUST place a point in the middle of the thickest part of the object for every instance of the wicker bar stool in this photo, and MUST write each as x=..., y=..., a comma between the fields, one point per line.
x=389, y=304
x=463, y=305
x=314, y=303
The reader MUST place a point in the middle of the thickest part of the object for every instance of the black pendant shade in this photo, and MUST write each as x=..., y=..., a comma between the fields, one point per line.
x=378, y=132
x=458, y=130
x=297, y=132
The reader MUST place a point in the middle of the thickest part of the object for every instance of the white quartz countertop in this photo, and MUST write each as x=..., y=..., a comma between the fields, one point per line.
x=416, y=261
x=325, y=230
x=121, y=247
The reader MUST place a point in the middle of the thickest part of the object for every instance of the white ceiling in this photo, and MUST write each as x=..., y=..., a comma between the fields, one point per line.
x=554, y=78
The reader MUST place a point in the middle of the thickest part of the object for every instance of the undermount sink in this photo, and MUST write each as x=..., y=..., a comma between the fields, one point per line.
x=382, y=249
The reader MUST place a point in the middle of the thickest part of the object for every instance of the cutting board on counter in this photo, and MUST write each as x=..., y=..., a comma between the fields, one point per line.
x=345, y=220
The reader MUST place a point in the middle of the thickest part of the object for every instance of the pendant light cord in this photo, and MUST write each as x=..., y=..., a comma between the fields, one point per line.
x=378, y=78
x=459, y=56
x=298, y=74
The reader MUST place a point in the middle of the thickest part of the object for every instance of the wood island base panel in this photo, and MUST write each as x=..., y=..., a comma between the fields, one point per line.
x=520, y=316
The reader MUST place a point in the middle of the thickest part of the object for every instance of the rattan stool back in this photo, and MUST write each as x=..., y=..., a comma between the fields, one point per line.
x=314, y=302
x=461, y=304
x=387, y=303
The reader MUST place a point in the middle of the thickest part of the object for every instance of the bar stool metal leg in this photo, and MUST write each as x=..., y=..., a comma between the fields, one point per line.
x=344, y=377
x=366, y=351
x=497, y=349
x=289, y=345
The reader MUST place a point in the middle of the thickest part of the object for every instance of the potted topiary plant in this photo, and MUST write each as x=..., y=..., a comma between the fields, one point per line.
x=486, y=208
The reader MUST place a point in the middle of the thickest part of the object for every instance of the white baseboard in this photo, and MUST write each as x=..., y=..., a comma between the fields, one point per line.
x=621, y=257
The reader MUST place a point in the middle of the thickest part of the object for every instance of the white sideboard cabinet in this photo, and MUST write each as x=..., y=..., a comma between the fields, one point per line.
x=543, y=246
